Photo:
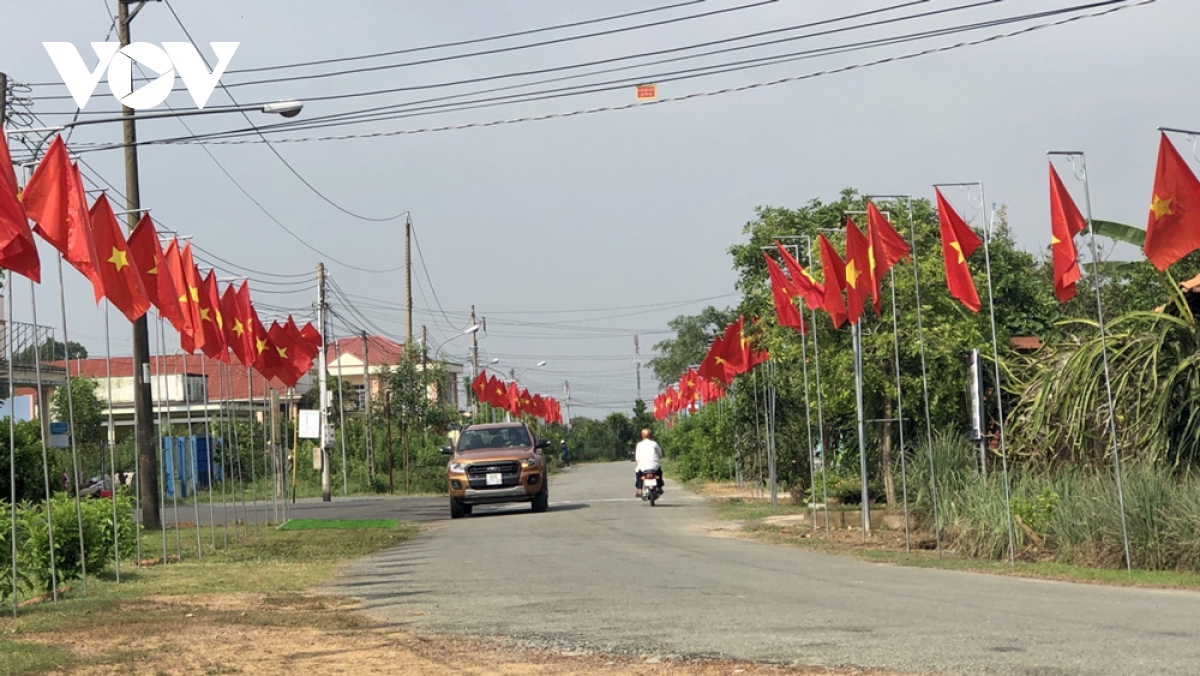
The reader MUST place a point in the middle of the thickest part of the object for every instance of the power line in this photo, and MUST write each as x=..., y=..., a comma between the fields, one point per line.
x=308, y=184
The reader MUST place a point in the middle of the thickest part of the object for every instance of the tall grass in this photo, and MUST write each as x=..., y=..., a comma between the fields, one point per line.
x=1071, y=515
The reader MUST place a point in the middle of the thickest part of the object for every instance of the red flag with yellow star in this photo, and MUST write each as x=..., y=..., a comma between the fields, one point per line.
x=887, y=248
x=803, y=283
x=713, y=365
x=785, y=310
x=173, y=289
x=147, y=255
x=1174, y=228
x=281, y=342
x=239, y=335
x=735, y=349
x=18, y=251
x=120, y=279
x=958, y=242
x=54, y=199
x=1065, y=223
x=266, y=358
x=834, y=269
x=212, y=321
x=189, y=300
x=858, y=271
x=305, y=352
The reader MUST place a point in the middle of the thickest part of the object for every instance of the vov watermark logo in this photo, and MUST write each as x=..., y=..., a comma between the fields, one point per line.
x=165, y=62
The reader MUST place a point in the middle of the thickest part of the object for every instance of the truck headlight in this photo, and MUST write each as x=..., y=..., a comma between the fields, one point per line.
x=457, y=467
x=529, y=463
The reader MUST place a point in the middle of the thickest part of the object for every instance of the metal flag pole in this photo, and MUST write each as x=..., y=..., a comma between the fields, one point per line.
x=223, y=431
x=758, y=437
x=212, y=515
x=912, y=233
x=237, y=449
x=772, y=464
x=862, y=442
x=163, y=417
x=337, y=348
x=812, y=470
x=1112, y=424
x=62, y=305
x=12, y=444
x=253, y=465
x=900, y=415
x=190, y=444
x=820, y=405
x=987, y=261
x=112, y=443
x=169, y=440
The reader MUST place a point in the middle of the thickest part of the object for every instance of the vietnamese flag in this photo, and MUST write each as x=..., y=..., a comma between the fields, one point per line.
x=858, y=271
x=1174, y=228
x=189, y=300
x=803, y=283
x=479, y=385
x=497, y=394
x=513, y=399
x=1065, y=223
x=266, y=359
x=785, y=309
x=149, y=259
x=958, y=242
x=734, y=350
x=313, y=337
x=834, y=270
x=285, y=354
x=238, y=334
x=212, y=323
x=305, y=352
x=121, y=281
x=18, y=251
x=54, y=199
x=713, y=365
x=886, y=249
x=173, y=289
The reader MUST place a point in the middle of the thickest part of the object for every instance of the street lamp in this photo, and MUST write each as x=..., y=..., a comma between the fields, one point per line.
x=147, y=474
x=517, y=378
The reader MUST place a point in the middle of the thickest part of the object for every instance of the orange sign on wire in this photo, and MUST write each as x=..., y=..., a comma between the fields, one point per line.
x=647, y=92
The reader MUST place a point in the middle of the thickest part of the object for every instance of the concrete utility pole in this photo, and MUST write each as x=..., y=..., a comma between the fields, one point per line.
x=567, y=396
x=367, y=404
x=474, y=367
x=407, y=280
x=143, y=404
x=3, y=99
x=424, y=353
x=323, y=385
x=637, y=356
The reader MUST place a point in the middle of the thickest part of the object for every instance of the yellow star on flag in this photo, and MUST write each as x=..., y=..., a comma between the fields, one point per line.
x=958, y=247
x=1161, y=207
x=239, y=328
x=1055, y=240
x=195, y=294
x=119, y=259
x=852, y=274
x=204, y=315
x=260, y=345
x=282, y=351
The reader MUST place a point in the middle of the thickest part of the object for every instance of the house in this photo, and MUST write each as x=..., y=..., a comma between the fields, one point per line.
x=361, y=359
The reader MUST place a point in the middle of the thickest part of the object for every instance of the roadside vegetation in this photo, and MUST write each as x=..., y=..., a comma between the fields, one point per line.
x=1064, y=498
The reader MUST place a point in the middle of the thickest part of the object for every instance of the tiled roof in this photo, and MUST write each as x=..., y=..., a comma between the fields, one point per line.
x=382, y=351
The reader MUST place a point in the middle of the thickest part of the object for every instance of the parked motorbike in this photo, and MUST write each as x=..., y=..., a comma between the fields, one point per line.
x=651, y=487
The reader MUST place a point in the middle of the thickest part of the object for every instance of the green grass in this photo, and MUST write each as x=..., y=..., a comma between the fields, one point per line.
x=18, y=657
x=337, y=524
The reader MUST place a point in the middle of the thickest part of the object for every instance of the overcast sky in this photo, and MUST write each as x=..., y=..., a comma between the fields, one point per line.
x=553, y=221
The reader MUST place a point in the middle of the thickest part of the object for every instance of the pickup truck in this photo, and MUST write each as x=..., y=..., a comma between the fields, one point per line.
x=496, y=463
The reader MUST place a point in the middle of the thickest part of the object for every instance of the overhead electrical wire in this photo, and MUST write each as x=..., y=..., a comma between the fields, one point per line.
x=683, y=97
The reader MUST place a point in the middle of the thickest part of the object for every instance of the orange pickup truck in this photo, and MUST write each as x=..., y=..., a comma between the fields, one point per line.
x=500, y=462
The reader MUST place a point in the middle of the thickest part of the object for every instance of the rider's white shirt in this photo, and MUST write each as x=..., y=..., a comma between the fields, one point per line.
x=648, y=455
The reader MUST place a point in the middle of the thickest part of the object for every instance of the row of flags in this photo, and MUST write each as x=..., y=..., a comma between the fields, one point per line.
x=1173, y=232
x=138, y=273
x=516, y=400
x=730, y=355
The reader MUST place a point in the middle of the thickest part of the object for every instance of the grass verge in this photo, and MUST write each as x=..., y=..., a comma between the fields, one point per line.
x=273, y=566
x=888, y=547
x=337, y=524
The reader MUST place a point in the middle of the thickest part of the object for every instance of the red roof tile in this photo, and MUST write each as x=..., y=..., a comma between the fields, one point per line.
x=383, y=352
x=122, y=367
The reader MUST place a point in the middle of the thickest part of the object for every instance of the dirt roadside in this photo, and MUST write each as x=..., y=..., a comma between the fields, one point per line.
x=248, y=633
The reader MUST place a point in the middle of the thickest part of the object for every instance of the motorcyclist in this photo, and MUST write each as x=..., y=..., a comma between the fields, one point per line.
x=648, y=457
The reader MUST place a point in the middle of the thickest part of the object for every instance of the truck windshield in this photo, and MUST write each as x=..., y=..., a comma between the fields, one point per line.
x=505, y=437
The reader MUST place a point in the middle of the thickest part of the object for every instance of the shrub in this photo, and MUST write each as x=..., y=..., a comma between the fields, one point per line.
x=97, y=517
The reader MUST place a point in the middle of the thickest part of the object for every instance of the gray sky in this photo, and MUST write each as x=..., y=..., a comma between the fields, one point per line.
x=550, y=221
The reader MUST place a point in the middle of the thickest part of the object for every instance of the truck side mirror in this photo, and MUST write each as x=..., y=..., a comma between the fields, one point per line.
x=447, y=450
x=541, y=443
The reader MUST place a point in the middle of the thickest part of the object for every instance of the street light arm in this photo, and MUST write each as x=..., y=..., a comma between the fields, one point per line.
x=284, y=108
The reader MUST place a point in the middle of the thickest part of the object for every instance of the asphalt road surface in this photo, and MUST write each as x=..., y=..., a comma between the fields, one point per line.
x=602, y=571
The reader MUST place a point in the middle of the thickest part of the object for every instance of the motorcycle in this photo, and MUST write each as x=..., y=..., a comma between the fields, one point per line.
x=651, y=487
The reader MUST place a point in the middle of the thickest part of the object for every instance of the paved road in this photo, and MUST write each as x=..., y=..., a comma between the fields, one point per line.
x=601, y=571
x=415, y=509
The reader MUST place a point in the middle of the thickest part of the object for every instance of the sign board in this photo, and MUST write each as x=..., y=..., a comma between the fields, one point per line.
x=647, y=92
x=975, y=368
x=310, y=424
x=59, y=437
x=59, y=428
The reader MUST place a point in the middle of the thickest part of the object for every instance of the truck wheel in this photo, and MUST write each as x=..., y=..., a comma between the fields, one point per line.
x=458, y=510
x=541, y=501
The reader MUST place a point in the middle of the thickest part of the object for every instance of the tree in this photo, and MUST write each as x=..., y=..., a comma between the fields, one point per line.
x=52, y=350
x=642, y=417
x=349, y=401
x=88, y=409
x=693, y=335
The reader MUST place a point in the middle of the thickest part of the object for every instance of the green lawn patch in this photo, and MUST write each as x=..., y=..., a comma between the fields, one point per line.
x=337, y=524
